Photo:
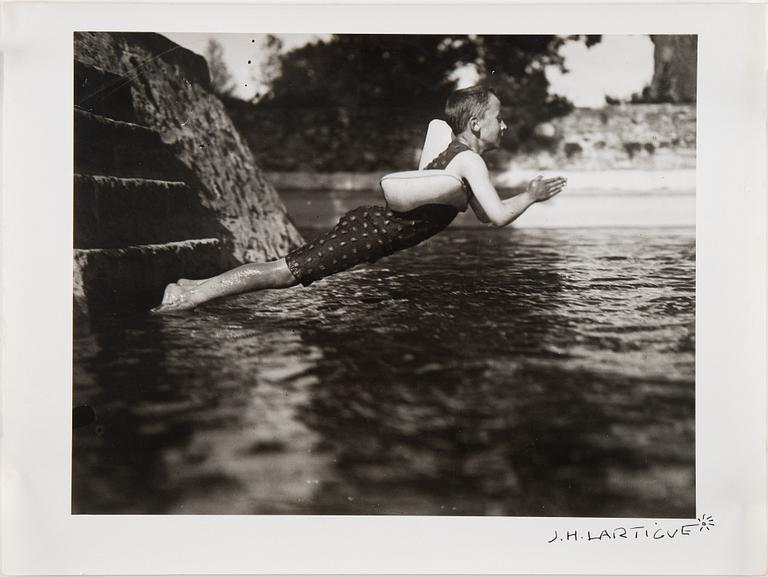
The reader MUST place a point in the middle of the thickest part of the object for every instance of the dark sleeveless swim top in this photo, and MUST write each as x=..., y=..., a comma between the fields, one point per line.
x=446, y=156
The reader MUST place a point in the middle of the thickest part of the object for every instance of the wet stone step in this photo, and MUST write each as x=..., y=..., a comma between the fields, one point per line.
x=113, y=212
x=101, y=92
x=116, y=148
x=133, y=278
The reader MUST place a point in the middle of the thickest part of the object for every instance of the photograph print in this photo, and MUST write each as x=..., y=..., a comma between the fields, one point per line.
x=356, y=274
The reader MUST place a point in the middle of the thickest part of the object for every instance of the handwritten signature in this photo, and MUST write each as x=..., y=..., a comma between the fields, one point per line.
x=655, y=532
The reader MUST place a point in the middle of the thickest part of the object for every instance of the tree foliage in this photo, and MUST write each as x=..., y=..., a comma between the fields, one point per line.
x=369, y=70
x=270, y=65
x=363, y=95
x=221, y=79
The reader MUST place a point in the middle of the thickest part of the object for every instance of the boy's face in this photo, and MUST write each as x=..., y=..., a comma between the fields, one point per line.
x=490, y=126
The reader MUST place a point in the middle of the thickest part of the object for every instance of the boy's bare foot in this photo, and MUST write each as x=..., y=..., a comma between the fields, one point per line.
x=174, y=299
x=173, y=292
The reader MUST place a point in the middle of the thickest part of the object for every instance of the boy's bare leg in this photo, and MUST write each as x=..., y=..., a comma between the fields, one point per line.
x=190, y=282
x=188, y=294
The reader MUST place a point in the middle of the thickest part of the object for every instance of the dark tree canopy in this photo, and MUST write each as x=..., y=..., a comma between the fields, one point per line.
x=335, y=95
x=370, y=70
x=409, y=70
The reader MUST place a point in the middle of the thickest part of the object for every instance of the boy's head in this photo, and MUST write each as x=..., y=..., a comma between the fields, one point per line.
x=465, y=104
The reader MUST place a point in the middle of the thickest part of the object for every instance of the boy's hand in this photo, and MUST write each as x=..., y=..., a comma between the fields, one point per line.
x=541, y=189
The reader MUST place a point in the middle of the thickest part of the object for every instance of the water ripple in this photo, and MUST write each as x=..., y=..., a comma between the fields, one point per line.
x=493, y=372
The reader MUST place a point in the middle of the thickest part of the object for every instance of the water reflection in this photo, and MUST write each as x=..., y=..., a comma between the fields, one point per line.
x=503, y=372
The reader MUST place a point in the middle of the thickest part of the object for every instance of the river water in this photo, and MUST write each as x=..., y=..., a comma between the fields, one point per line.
x=484, y=372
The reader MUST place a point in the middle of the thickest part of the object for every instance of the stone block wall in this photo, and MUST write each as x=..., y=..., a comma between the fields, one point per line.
x=631, y=136
x=170, y=91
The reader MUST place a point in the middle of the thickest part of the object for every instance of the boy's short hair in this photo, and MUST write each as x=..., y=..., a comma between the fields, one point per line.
x=463, y=104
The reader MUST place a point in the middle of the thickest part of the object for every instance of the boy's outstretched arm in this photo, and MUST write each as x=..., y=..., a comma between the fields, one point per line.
x=486, y=202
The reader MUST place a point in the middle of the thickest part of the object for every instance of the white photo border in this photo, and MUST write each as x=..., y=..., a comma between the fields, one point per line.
x=39, y=536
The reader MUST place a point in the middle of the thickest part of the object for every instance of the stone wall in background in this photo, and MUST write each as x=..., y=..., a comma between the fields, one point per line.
x=630, y=136
x=625, y=136
x=170, y=91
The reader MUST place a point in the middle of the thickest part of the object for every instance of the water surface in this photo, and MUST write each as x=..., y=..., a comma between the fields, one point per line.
x=485, y=372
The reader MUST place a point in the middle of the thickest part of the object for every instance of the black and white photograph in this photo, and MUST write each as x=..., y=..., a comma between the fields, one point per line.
x=390, y=288
x=384, y=274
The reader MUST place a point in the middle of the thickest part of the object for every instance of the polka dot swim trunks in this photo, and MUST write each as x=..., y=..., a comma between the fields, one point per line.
x=366, y=234
x=369, y=233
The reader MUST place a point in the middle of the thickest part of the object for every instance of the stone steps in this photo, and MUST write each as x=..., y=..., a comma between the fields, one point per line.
x=139, y=221
x=104, y=93
x=132, y=278
x=118, y=148
x=113, y=212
